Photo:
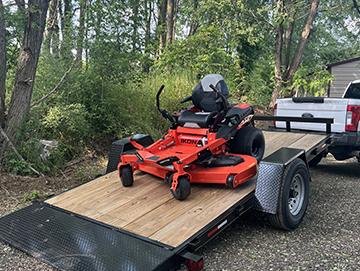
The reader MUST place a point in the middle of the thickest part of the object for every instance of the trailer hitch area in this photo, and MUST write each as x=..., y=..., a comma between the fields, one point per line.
x=193, y=262
x=136, y=145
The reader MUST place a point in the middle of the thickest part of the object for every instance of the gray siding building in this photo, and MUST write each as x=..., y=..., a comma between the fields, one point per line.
x=344, y=72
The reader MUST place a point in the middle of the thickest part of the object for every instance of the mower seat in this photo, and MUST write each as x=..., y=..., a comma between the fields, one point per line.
x=207, y=101
x=193, y=119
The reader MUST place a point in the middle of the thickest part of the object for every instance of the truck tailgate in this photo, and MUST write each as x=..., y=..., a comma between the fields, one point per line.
x=329, y=108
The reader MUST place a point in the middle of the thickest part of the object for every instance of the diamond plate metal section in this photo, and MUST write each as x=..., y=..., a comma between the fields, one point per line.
x=268, y=186
x=72, y=243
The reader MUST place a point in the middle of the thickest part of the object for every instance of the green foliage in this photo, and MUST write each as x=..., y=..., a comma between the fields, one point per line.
x=19, y=167
x=143, y=116
x=203, y=53
x=310, y=81
x=30, y=149
x=68, y=124
x=33, y=196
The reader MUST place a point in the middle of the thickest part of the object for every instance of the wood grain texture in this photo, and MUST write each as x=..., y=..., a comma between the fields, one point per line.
x=148, y=208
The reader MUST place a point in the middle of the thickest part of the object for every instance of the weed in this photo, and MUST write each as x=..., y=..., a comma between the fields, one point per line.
x=33, y=196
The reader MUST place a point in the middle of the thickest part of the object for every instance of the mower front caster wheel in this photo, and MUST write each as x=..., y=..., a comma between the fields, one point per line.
x=182, y=190
x=126, y=176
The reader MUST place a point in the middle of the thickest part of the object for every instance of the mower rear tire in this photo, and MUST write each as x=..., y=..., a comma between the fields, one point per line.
x=183, y=188
x=249, y=141
x=126, y=175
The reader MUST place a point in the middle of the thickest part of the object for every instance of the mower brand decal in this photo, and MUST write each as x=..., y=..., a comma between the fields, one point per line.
x=191, y=141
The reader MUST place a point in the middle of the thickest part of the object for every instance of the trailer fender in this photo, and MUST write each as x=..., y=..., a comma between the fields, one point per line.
x=270, y=178
x=124, y=146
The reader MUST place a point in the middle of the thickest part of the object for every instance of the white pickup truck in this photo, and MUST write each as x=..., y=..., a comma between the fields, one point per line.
x=345, y=112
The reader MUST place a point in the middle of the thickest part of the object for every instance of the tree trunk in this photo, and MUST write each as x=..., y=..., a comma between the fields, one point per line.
x=193, y=22
x=135, y=17
x=284, y=69
x=162, y=26
x=80, y=39
x=26, y=69
x=66, y=22
x=176, y=9
x=2, y=65
x=147, y=35
x=52, y=38
x=278, y=52
x=169, y=21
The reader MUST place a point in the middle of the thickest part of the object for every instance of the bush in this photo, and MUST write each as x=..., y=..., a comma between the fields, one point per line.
x=68, y=124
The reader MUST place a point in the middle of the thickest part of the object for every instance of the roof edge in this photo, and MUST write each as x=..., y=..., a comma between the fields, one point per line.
x=342, y=62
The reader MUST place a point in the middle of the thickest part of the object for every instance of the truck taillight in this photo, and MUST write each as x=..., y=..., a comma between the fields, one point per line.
x=275, y=112
x=352, y=118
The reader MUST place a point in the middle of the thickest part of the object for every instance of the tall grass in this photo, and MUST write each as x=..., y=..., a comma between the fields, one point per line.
x=141, y=99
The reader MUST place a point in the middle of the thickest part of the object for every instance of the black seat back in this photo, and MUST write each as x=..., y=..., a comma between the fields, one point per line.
x=205, y=98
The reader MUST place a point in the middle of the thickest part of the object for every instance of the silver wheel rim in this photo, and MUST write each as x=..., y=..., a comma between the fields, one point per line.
x=297, y=194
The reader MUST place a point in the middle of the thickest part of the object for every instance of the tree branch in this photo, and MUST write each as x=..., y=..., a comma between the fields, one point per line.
x=18, y=154
x=57, y=86
x=356, y=6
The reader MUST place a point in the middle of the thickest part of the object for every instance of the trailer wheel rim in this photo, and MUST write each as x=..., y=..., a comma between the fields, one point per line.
x=297, y=194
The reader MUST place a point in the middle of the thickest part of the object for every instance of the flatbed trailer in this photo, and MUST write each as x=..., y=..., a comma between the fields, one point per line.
x=102, y=225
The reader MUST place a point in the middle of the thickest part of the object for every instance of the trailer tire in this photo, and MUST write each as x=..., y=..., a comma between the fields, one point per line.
x=293, y=197
x=126, y=175
x=249, y=141
x=183, y=188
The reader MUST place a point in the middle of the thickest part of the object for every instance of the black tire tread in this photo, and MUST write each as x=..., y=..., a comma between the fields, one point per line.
x=240, y=143
x=278, y=219
x=183, y=188
x=126, y=176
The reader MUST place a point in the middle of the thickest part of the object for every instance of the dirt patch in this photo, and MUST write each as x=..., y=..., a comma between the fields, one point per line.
x=17, y=192
x=263, y=111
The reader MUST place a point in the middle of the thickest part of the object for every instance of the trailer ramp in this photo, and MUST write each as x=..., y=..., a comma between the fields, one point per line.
x=70, y=242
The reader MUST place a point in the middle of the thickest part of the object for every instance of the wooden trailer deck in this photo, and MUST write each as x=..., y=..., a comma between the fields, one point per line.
x=148, y=208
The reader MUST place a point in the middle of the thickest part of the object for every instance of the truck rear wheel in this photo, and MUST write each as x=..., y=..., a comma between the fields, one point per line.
x=294, y=196
x=126, y=175
x=249, y=141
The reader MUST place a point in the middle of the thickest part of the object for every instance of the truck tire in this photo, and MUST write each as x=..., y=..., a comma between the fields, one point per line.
x=341, y=156
x=126, y=175
x=249, y=141
x=183, y=188
x=293, y=197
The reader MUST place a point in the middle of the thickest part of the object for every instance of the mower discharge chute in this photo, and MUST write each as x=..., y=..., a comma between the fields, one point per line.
x=210, y=142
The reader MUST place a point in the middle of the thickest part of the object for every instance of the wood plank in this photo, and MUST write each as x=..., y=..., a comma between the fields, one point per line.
x=139, y=206
x=148, y=208
x=86, y=201
x=170, y=210
x=308, y=141
x=276, y=140
x=195, y=219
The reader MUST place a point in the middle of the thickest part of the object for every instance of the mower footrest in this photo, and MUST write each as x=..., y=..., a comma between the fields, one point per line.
x=225, y=161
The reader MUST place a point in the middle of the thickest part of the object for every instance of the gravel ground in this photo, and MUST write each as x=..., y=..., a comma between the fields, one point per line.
x=327, y=239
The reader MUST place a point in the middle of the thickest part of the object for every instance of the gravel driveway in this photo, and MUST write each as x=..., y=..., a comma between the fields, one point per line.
x=327, y=239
